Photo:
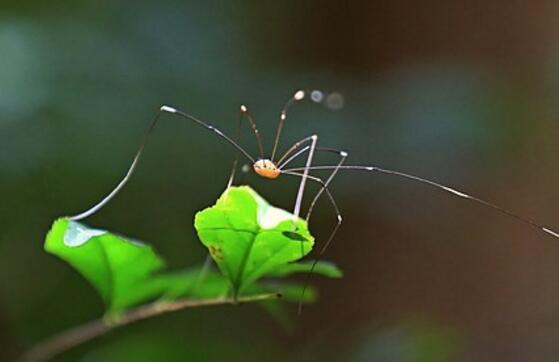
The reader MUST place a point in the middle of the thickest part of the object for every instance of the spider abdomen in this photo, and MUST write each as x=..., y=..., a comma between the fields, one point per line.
x=266, y=168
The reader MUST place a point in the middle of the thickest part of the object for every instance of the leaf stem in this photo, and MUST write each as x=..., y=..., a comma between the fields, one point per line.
x=73, y=337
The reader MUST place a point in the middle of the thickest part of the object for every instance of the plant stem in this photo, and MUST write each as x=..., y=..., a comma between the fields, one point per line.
x=73, y=337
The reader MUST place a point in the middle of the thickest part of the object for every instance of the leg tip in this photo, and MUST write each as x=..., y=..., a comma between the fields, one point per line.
x=167, y=109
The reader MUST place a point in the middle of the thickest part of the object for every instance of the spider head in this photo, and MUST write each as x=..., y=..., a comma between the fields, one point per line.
x=266, y=168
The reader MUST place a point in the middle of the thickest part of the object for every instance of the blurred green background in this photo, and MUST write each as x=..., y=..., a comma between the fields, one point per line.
x=461, y=92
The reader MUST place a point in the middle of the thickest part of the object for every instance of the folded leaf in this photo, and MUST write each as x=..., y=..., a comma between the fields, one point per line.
x=124, y=272
x=248, y=238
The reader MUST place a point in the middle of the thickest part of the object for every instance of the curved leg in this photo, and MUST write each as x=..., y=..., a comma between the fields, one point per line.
x=343, y=156
x=132, y=168
x=315, y=96
x=322, y=250
x=299, y=199
x=305, y=149
x=438, y=186
x=292, y=149
x=245, y=113
x=300, y=94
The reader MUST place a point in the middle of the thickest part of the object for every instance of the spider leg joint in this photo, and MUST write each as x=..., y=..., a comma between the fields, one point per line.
x=167, y=109
x=300, y=94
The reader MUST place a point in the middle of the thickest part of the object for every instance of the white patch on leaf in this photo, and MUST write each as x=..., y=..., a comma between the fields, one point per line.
x=77, y=234
x=268, y=216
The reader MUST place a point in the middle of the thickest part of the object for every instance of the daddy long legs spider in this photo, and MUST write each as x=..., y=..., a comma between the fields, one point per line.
x=273, y=167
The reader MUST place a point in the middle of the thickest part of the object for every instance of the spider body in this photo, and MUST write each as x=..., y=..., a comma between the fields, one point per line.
x=266, y=168
x=271, y=168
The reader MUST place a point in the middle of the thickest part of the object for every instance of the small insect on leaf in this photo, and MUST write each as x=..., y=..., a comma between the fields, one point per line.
x=254, y=237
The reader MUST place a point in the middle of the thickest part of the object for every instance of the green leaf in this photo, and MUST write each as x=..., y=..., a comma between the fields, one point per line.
x=248, y=238
x=200, y=283
x=324, y=268
x=206, y=284
x=209, y=284
x=124, y=272
x=292, y=292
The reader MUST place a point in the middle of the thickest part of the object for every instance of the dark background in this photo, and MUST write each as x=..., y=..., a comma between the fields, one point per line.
x=462, y=92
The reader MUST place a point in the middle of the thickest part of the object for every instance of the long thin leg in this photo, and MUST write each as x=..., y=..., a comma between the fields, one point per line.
x=292, y=149
x=343, y=156
x=323, y=187
x=300, y=94
x=232, y=175
x=132, y=167
x=301, y=191
x=436, y=185
x=322, y=250
x=315, y=96
x=244, y=112
x=332, y=234
x=311, y=148
x=305, y=149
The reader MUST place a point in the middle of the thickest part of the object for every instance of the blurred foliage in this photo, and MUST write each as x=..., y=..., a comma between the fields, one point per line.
x=410, y=342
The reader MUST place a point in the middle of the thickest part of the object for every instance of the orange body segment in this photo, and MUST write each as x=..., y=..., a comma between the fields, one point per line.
x=266, y=168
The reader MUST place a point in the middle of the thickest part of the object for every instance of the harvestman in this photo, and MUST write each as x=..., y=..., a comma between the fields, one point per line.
x=272, y=168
